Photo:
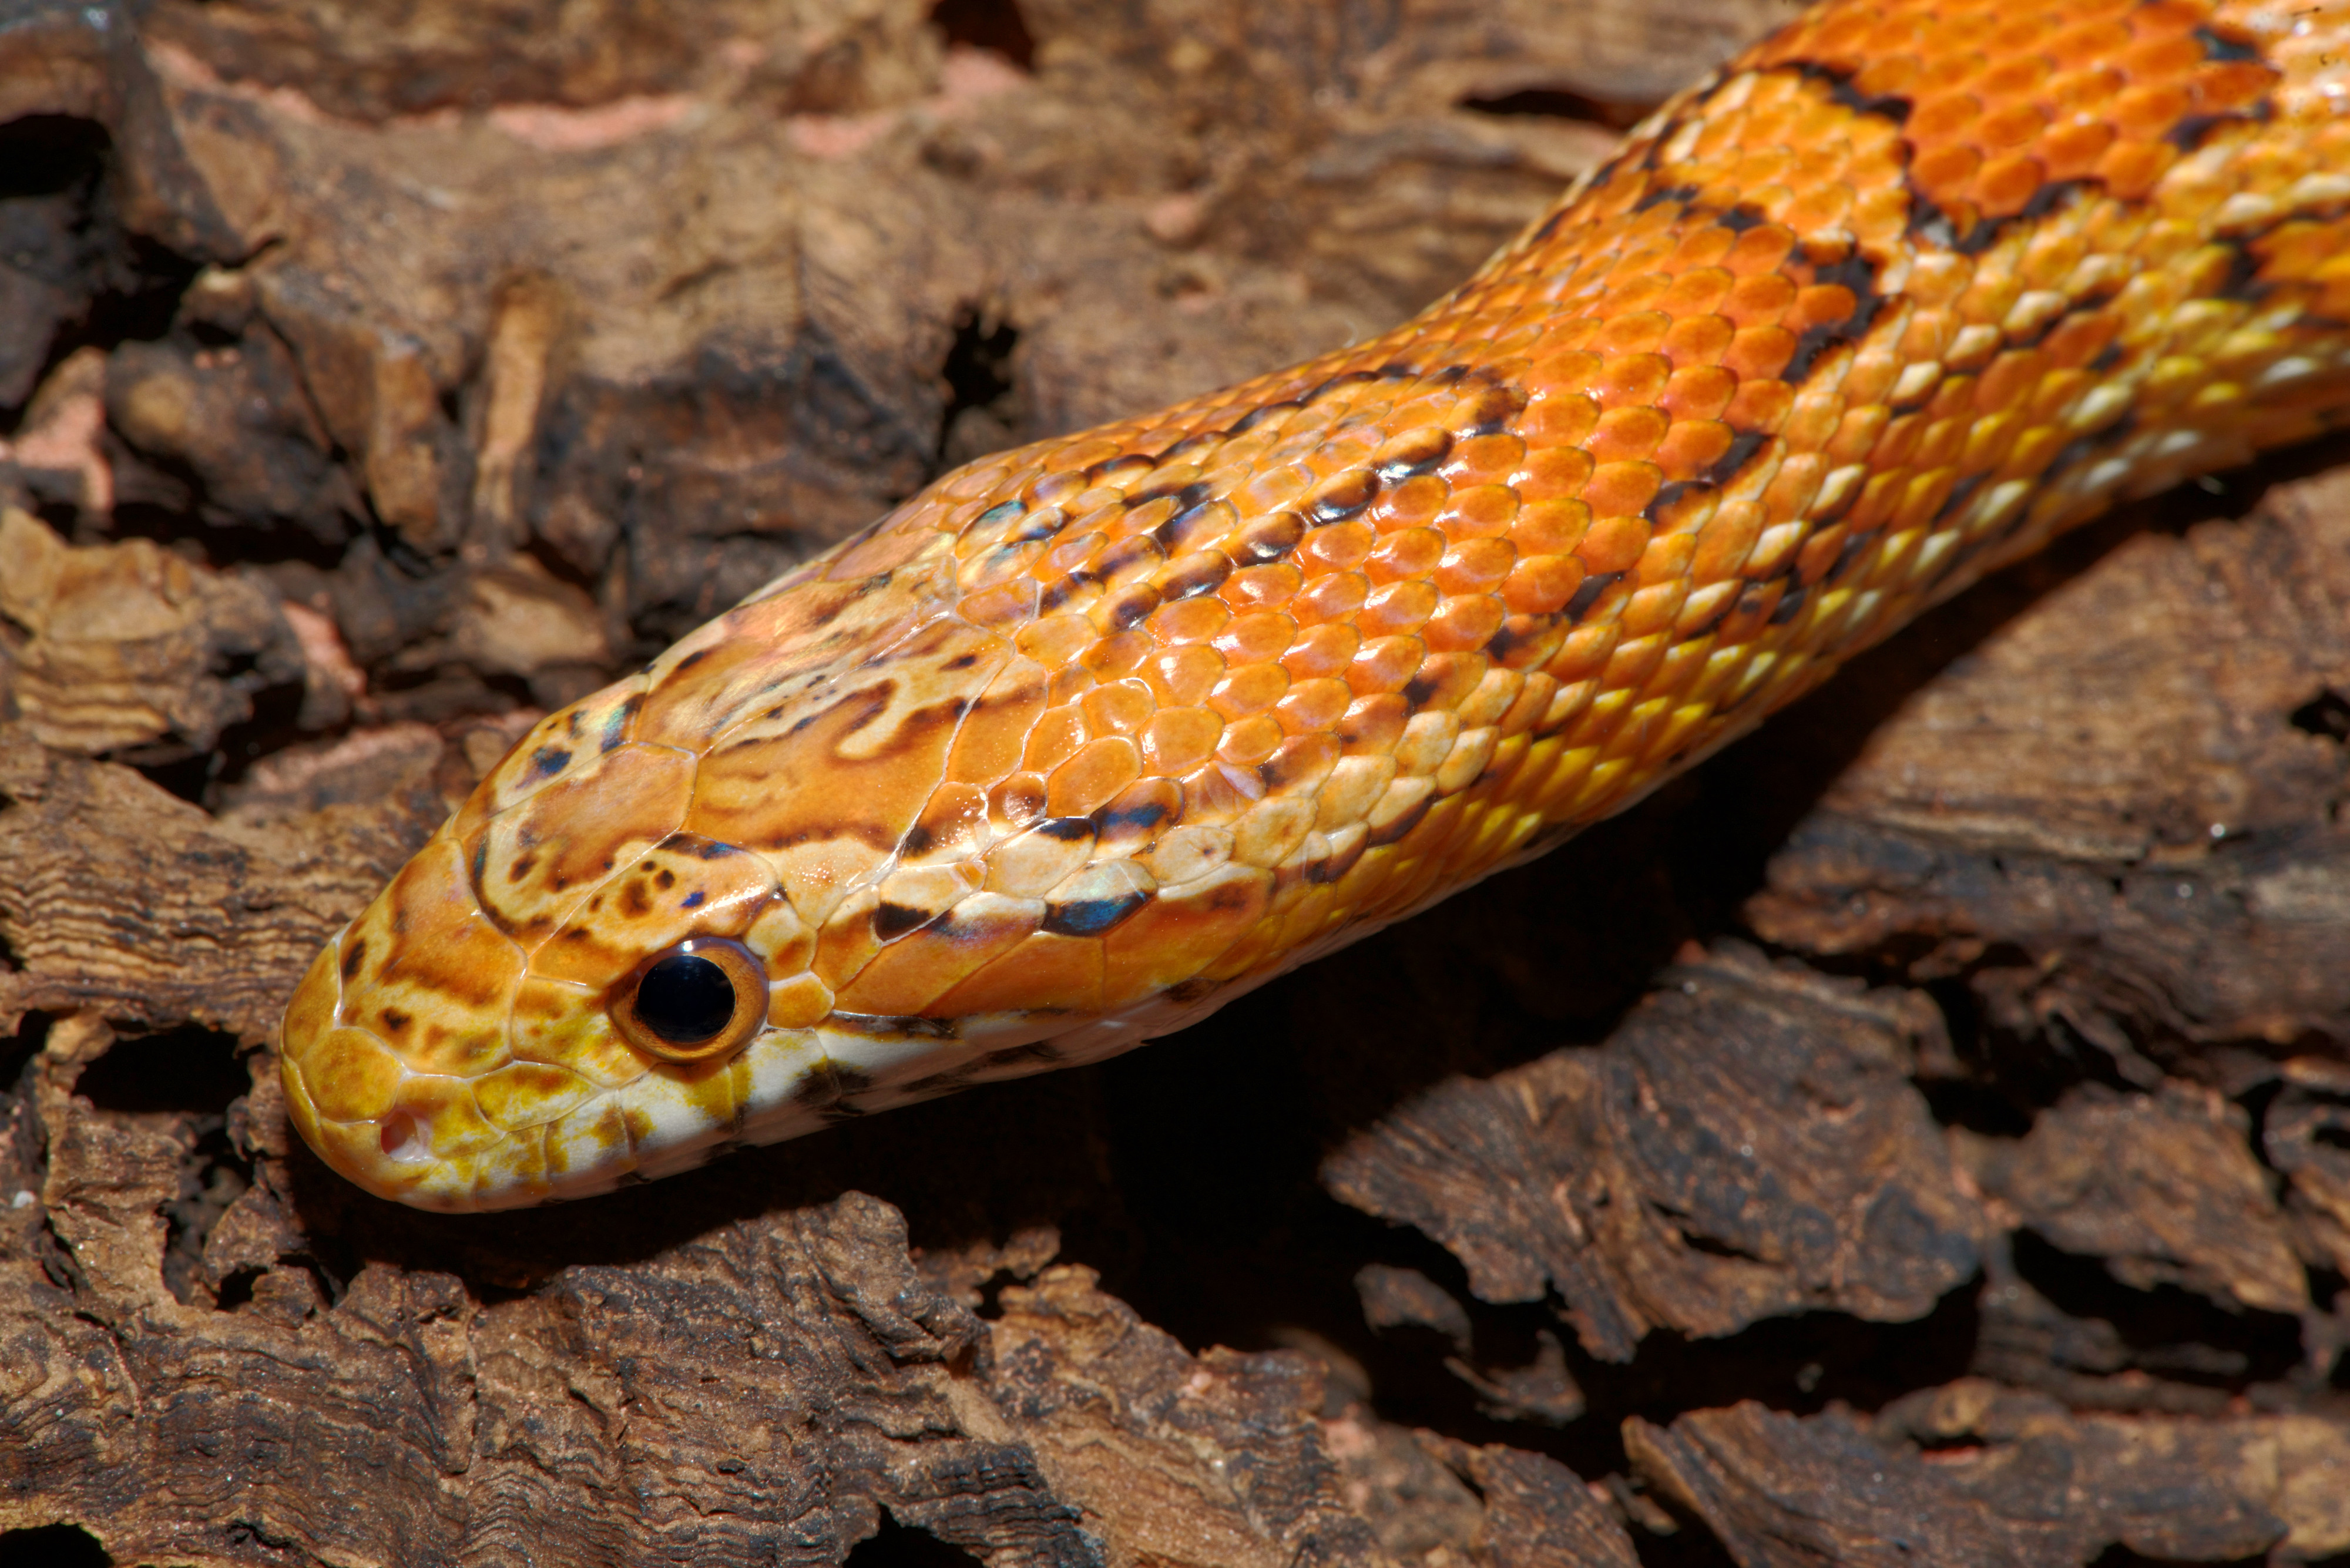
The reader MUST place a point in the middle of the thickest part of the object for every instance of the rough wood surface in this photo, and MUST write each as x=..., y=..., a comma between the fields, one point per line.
x=1921, y=1134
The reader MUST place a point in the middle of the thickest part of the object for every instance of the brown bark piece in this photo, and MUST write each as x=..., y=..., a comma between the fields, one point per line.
x=1685, y=1176
x=2122, y=811
x=2164, y=1188
x=120, y=648
x=127, y=901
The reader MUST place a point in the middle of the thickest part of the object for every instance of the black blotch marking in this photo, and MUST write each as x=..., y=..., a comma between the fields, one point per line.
x=1131, y=607
x=1496, y=407
x=1742, y=448
x=1588, y=594
x=2326, y=715
x=1683, y=195
x=1271, y=538
x=689, y=661
x=1198, y=578
x=1960, y=494
x=1858, y=273
x=481, y=866
x=1124, y=555
x=1851, y=551
x=1883, y=105
x=1143, y=817
x=1402, y=467
x=1419, y=690
x=1190, y=443
x=1177, y=531
x=354, y=959
x=615, y=726
x=1345, y=496
x=918, y=841
x=1066, y=829
x=961, y=661
x=1672, y=494
x=1751, y=598
x=395, y=1021
x=2242, y=281
x=1002, y=511
x=2082, y=448
x=1185, y=495
x=2217, y=46
x=1257, y=416
x=1058, y=594
x=891, y=922
x=1790, y=604
x=1742, y=217
x=664, y=878
x=2193, y=130
x=1091, y=917
x=1352, y=378
x=693, y=900
x=1508, y=640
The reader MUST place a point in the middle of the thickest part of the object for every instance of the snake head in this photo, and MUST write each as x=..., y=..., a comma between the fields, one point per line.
x=766, y=883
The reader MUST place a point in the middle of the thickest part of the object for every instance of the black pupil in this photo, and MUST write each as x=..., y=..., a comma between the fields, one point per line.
x=683, y=999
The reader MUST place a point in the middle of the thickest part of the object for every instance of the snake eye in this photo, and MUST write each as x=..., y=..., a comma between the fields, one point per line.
x=705, y=997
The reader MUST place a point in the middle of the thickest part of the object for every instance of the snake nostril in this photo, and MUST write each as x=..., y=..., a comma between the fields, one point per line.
x=402, y=1140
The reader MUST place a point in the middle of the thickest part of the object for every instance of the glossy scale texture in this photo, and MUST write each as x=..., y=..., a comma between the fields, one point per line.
x=1090, y=736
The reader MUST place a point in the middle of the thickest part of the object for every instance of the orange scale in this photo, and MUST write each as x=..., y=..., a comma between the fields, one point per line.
x=1410, y=504
x=1619, y=488
x=1407, y=553
x=1856, y=434
x=1483, y=460
x=1761, y=404
x=1639, y=332
x=1554, y=473
x=1759, y=300
x=1691, y=447
x=1095, y=773
x=1333, y=597
x=1120, y=708
x=1385, y=664
x=1254, y=586
x=2156, y=59
x=1558, y=420
x=1053, y=738
x=1397, y=608
x=2004, y=186
x=1624, y=435
x=1613, y=543
x=1697, y=391
x=1542, y=585
x=2149, y=110
x=1188, y=621
x=1046, y=971
x=1475, y=565
x=1632, y=378
x=1700, y=252
x=1343, y=546
x=1821, y=206
x=1945, y=117
x=1550, y=527
x=1313, y=705
x=1182, y=676
x=1464, y=622
x=1698, y=341
x=1479, y=512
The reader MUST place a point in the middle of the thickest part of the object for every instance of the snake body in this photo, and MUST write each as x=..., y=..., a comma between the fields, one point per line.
x=1088, y=737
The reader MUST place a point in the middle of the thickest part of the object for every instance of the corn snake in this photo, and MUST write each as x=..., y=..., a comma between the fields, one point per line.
x=1088, y=737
